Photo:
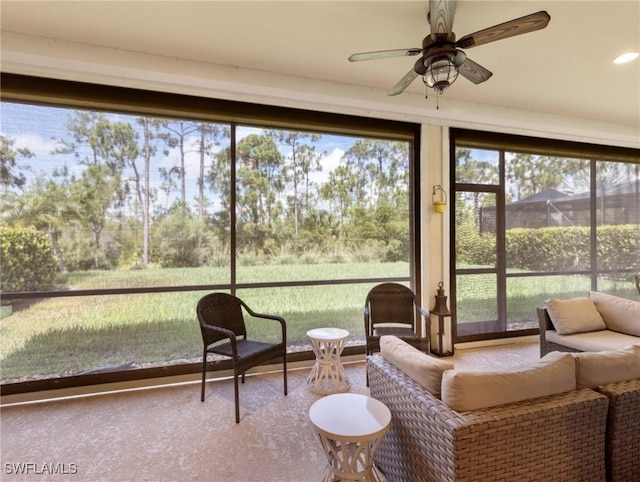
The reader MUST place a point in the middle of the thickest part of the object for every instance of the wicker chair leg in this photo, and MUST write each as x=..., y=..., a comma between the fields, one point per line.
x=284, y=368
x=204, y=374
x=237, y=396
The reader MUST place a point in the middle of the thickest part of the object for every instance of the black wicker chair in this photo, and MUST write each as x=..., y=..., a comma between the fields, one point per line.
x=221, y=318
x=391, y=309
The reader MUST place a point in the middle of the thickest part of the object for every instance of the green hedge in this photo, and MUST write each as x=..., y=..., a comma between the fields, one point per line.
x=619, y=247
x=28, y=262
x=560, y=249
x=548, y=249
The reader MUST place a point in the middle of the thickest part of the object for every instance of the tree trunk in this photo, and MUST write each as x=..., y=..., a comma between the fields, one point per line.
x=96, y=245
x=145, y=199
x=54, y=234
x=201, y=178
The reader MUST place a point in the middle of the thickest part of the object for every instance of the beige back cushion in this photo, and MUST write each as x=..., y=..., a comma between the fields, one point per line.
x=600, y=368
x=424, y=369
x=619, y=314
x=473, y=390
x=574, y=315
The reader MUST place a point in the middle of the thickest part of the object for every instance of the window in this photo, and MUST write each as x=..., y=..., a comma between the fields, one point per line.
x=135, y=209
x=536, y=219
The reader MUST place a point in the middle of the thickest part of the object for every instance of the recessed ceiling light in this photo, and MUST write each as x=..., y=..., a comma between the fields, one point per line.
x=624, y=58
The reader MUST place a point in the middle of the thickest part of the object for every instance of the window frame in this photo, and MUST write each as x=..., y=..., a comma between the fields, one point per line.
x=503, y=143
x=70, y=94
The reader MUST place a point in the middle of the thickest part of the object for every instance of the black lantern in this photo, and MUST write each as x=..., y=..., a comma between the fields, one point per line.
x=441, y=325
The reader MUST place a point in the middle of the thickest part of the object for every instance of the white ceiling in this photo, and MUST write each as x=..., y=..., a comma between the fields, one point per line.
x=565, y=69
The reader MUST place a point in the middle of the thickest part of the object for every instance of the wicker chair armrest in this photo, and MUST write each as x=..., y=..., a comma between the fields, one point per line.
x=264, y=316
x=269, y=317
x=219, y=331
x=279, y=319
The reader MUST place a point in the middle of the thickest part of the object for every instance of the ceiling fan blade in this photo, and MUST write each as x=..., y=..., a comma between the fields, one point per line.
x=384, y=54
x=441, y=13
x=518, y=26
x=403, y=83
x=476, y=73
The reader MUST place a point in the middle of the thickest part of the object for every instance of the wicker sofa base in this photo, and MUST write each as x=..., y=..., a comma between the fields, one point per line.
x=560, y=437
x=549, y=346
x=623, y=431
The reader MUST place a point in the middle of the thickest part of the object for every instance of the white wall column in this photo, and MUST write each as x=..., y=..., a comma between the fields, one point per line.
x=435, y=227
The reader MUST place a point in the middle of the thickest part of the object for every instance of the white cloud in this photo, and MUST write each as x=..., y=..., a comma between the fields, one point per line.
x=41, y=147
x=44, y=160
x=329, y=163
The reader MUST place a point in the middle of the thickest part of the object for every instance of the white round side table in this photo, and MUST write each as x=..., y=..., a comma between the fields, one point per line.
x=327, y=375
x=351, y=427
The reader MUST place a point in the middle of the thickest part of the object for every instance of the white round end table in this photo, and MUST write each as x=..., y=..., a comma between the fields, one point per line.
x=327, y=375
x=351, y=427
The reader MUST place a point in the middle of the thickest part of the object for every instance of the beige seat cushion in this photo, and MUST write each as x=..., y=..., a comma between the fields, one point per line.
x=619, y=314
x=473, y=390
x=600, y=368
x=424, y=369
x=593, y=341
x=574, y=315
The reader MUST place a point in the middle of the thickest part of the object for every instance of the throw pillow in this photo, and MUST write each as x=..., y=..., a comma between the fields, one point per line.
x=574, y=315
x=424, y=369
x=619, y=314
x=601, y=368
x=473, y=390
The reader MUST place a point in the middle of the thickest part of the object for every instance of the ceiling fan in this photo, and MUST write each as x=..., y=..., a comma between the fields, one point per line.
x=441, y=57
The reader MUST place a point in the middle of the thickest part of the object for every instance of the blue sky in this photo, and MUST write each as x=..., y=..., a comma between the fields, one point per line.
x=38, y=128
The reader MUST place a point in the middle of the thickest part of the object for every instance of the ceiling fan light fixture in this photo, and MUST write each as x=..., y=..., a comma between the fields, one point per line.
x=442, y=71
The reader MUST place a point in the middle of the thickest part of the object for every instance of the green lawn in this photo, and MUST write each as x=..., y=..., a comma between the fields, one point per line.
x=69, y=335
x=477, y=294
x=63, y=336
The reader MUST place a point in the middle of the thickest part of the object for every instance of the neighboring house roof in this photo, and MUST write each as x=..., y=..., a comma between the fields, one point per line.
x=540, y=197
x=624, y=189
x=621, y=189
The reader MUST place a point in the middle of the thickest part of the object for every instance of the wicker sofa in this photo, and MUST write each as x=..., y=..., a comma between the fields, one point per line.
x=557, y=437
x=594, y=323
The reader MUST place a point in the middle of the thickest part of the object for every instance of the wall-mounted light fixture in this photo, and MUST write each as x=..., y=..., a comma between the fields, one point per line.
x=439, y=198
